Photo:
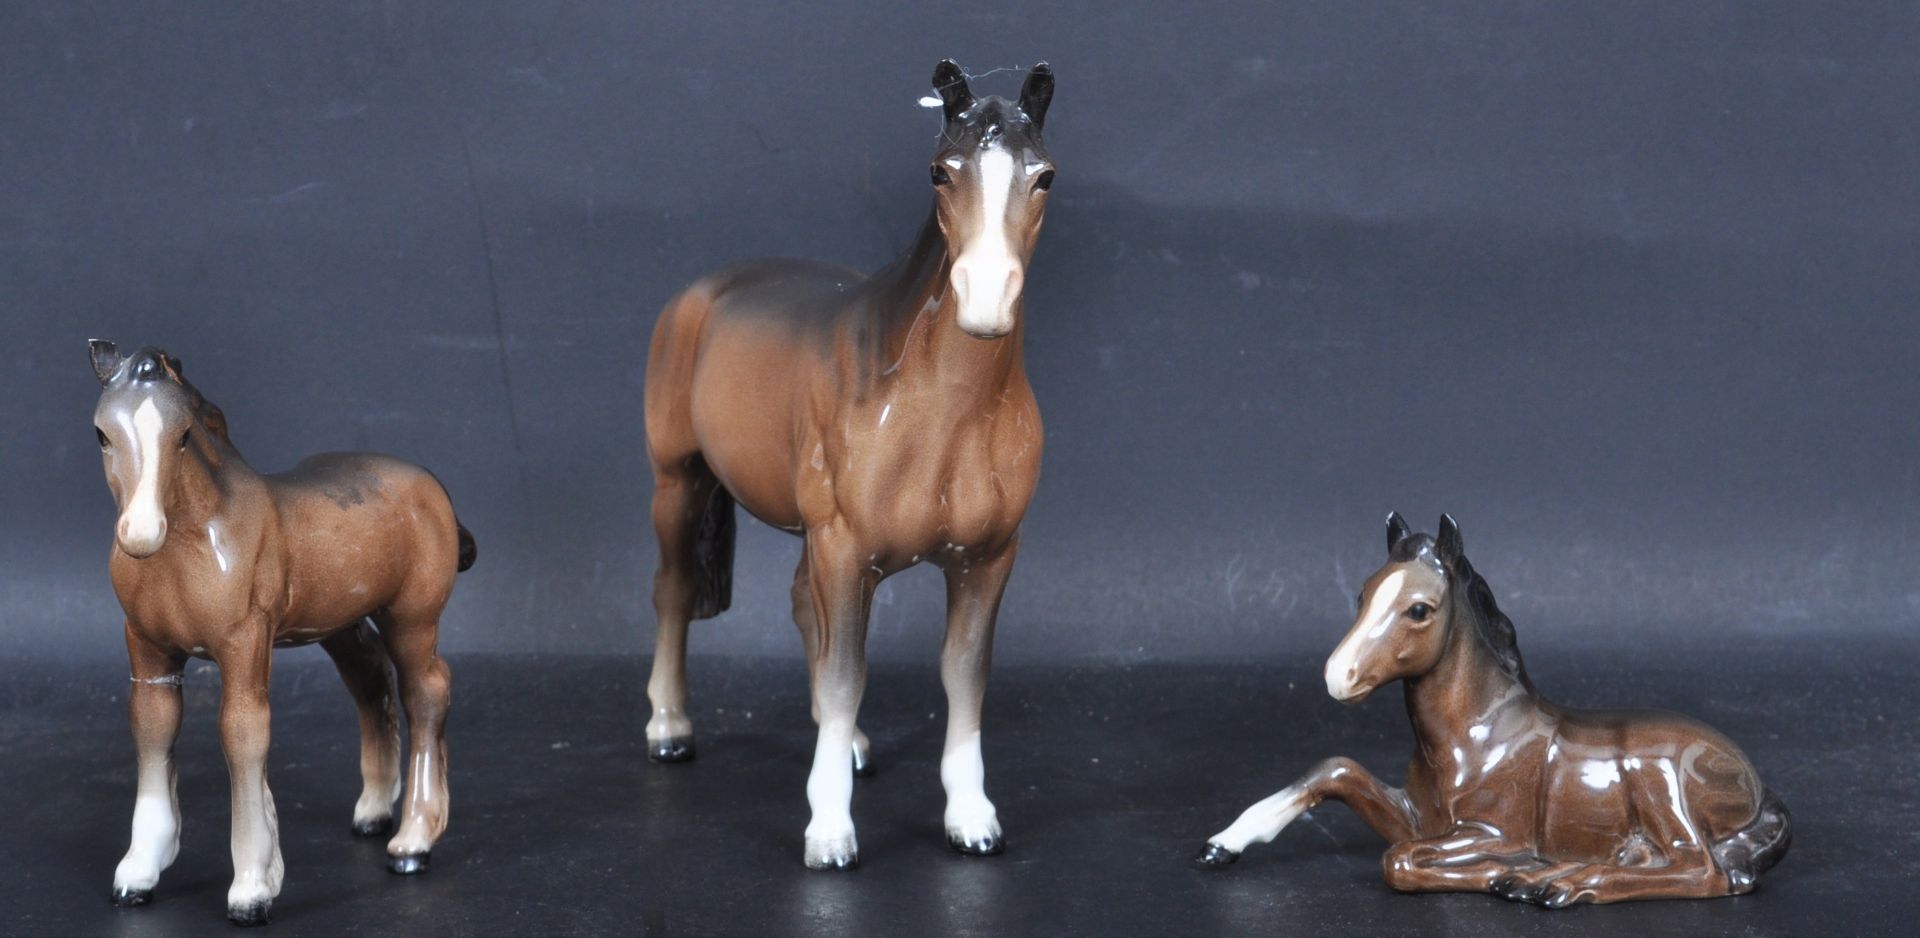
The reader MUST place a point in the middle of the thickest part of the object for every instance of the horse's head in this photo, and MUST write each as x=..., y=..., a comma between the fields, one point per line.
x=990, y=180
x=145, y=422
x=1406, y=610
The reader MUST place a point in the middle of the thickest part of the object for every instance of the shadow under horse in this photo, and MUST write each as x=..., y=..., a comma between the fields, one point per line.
x=1507, y=792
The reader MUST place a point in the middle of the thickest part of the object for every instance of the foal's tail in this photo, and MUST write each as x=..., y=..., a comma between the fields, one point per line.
x=1754, y=849
x=713, y=555
x=469, y=550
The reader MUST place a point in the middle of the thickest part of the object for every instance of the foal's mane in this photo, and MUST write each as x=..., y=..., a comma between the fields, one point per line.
x=1493, y=625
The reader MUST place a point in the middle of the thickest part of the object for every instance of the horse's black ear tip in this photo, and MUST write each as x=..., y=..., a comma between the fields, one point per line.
x=105, y=357
x=946, y=71
x=1041, y=69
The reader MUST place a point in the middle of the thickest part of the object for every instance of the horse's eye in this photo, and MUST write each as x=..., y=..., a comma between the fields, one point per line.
x=102, y=436
x=940, y=175
x=1419, y=612
x=1044, y=183
x=184, y=436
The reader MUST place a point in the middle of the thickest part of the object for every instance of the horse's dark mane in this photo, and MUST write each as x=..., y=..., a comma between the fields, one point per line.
x=1494, y=626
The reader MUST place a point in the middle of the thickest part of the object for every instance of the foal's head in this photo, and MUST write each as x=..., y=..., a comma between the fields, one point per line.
x=1406, y=611
x=146, y=421
x=990, y=180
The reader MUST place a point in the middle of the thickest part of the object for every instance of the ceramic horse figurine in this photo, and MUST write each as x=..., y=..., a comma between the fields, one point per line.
x=887, y=420
x=213, y=560
x=1507, y=792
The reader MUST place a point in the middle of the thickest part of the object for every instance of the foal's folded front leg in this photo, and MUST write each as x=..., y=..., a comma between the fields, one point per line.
x=1383, y=808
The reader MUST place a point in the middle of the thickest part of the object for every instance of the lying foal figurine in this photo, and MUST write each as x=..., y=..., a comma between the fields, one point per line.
x=213, y=560
x=1507, y=792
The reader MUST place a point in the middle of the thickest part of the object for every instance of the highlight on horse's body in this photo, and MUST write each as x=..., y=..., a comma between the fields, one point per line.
x=212, y=560
x=1509, y=793
x=888, y=421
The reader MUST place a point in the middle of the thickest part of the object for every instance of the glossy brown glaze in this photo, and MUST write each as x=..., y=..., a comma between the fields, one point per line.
x=212, y=560
x=887, y=420
x=1507, y=792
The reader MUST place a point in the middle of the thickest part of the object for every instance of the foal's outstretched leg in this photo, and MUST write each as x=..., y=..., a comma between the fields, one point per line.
x=361, y=657
x=973, y=603
x=803, y=619
x=842, y=589
x=412, y=638
x=154, y=709
x=683, y=493
x=1383, y=808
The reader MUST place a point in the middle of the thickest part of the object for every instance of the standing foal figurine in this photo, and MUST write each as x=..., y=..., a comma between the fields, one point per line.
x=887, y=420
x=213, y=560
x=1509, y=793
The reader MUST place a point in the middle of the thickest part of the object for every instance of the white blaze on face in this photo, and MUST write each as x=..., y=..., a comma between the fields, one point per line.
x=1378, y=616
x=988, y=273
x=143, y=523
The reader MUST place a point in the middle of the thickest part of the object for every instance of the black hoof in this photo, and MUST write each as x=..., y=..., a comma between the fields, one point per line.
x=835, y=864
x=672, y=749
x=408, y=864
x=247, y=916
x=379, y=827
x=128, y=898
x=1213, y=857
x=989, y=846
x=862, y=764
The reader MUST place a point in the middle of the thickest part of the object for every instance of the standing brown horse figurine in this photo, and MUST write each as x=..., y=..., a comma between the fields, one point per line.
x=1509, y=793
x=213, y=560
x=886, y=420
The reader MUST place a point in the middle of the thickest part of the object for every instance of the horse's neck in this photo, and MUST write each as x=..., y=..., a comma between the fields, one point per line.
x=1468, y=687
x=921, y=339
x=201, y=483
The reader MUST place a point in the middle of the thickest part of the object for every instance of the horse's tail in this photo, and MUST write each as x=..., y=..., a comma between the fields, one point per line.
x=713, y=555
x=469, y=550
x=1754, y=849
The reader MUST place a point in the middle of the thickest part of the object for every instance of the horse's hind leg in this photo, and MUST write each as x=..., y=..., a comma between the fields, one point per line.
x=412, y=637
x=361, y=658
x=693, y=519
x=809, y=633
x=1383, y=808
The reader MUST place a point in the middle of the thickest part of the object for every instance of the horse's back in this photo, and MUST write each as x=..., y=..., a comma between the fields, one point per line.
x=364, y=531
x=1654, y=754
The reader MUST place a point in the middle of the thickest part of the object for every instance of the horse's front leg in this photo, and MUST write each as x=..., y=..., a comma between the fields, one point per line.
x=1469, y=858
x=974, y=588
x=842, y=589
x=1383, y=808
x=154, y=710
x=245, y=731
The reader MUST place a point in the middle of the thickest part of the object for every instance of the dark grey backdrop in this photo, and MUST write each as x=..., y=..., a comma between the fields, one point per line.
x=1629, y=288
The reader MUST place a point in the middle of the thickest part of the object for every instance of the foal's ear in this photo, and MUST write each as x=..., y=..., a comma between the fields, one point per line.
x=1397, y=530
x=950, y=83
x=1036, y=94
x=1447, y=545
x=106, y=359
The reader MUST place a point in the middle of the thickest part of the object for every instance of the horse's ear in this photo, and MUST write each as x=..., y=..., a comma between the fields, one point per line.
x=106, y=359
x=950, y=83
x=1447, y=545
x=173, y=365
x=1036, y=94
x=1397, y=530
